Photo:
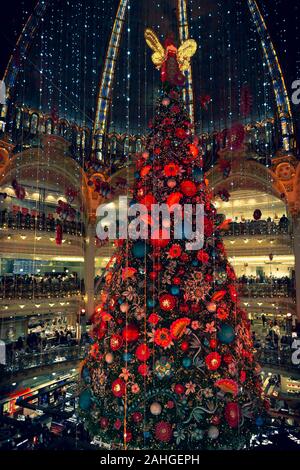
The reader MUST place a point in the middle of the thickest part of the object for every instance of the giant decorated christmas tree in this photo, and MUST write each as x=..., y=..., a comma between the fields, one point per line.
x=171, y=365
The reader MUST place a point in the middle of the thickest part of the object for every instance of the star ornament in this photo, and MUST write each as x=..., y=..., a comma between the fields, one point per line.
x=128, y=273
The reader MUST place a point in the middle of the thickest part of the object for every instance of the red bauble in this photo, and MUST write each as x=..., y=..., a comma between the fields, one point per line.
x=215, y=420
x=184, y=346
x=184, y=308
x=142, y=352
x=213, y=361
x=157, y=267
x=188, y=188
x=228, y=358
x=153, y=319
x=243, y=376
x=116, y=342
x=180, y=133
x=130, y=333
x=118, y=388
x=153, y=275
x=184, y=257
x=143, y=370
x=118, y=424
x=103, y=423
x=179, y=389
x=232, y=414
x=170, y=405
x=127, y=436
x=203, y=256
x=176, y=281
x=213, y=343
x=137, y=417
x=167, y=302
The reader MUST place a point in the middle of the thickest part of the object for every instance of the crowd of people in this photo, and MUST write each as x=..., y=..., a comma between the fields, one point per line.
x=37, y=341
x=259, y=227
x=39, y=222
x=29, y=285
x=262, y=284
x=35, y=349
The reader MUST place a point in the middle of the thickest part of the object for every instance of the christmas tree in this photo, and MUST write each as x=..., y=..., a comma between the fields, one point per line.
x=171, y=365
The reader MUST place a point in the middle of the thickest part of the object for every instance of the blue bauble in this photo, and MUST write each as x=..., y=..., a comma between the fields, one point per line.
x=127, y=357
x=197, y=174
x=132, y=202
x=195, y=262
x=85, y=400
x=186, y=362
x=147, y=434
x=206, y=342
x=259, y=421
x=151, y=303
x=120, y=301
x=175, y=290
x=85, y=374
x=140, y=249
x=137, y=175
x=226, y=334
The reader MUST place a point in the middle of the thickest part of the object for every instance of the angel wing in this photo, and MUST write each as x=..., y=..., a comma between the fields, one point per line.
x=153, y=42
x=185, y=52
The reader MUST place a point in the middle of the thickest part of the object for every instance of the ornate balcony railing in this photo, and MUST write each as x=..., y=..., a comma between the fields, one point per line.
x=17, y=361
x=277, y=357
x=16, y=288
x=19, y=221
x=257, y=227
x=259, y=290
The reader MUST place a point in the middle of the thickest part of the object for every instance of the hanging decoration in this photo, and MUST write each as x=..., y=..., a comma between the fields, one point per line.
x=246, y=100
x=19, y=190
x=58, y=234
x=204, y=101
x=257, y=214
x=223, y=194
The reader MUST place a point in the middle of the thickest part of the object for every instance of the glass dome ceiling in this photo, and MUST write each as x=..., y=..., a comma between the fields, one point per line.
x=71, y=52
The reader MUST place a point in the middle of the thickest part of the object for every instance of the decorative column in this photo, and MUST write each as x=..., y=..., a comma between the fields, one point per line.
x=107, y=79
x=89, y=268
x=279, y=86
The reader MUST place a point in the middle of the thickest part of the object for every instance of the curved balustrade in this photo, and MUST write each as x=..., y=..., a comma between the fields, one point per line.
x=258, y=290
x=258, y=227
x=28, y=287
x=277, y=358
x=17, y=361
x=19, y=221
